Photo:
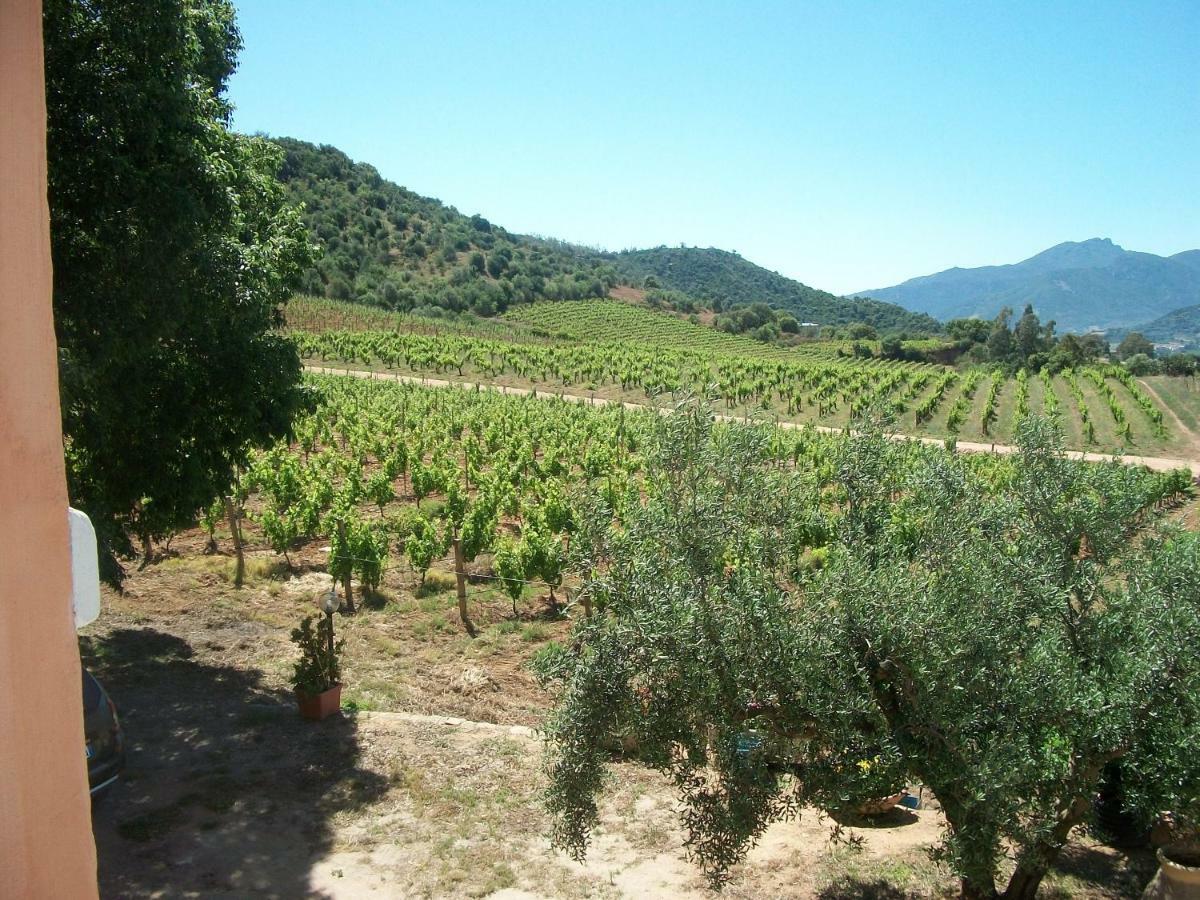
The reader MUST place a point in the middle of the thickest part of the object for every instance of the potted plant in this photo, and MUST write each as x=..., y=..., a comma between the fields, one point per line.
x=863, y=778
x=317, y=676
x=879, y=786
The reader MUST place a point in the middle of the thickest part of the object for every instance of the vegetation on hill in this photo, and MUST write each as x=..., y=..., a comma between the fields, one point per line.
x=1082, y=285
x=722, y=280
x=387, y=246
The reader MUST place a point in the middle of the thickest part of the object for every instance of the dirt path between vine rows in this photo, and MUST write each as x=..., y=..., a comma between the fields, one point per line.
x=1155, y=463
x=1193, y=439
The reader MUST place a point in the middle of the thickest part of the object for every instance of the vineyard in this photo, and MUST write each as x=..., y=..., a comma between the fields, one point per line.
x=614, y=351
x=610, y=321
x=440, y=478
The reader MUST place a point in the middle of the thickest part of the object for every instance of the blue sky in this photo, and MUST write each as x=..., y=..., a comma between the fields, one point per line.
x=849, y=145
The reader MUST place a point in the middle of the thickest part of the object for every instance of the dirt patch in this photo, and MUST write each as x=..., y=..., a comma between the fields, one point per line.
x=627, y=293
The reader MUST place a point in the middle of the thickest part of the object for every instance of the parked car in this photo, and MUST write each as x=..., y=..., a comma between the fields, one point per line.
x=103, y=742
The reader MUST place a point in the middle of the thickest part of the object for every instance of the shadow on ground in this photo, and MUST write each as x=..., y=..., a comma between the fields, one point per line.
x=896, y=817
x=863, y=889
x=1104, y=870
x=227, y=793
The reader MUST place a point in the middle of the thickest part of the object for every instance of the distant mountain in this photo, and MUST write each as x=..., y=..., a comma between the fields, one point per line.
x=1189, y=258
x=711, y=274
x=1083, y=285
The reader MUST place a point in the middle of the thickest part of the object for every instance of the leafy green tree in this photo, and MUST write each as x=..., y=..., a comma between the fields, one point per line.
x=1027, y=335
x=1179, y=364
x=974, y=331
x=1140, y=364
x=1000, y=645
x=1000, y=340
x=1073, y=351
x=859, y=331
x=1133, y=344
x=173, y=249
x=891, y=347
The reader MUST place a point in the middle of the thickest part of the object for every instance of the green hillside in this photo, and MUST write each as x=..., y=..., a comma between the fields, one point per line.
x=387, y=246
x=718, y=276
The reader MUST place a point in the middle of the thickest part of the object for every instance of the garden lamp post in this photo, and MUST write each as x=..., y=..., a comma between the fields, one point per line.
x=328, y=603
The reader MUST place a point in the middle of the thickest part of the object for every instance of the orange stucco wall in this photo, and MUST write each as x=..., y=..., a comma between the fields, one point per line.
x=46, y=847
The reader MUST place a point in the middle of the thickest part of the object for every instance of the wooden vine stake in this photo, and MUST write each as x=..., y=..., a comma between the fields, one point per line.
x=235, y=531
x=347, y=571
x=460, y=580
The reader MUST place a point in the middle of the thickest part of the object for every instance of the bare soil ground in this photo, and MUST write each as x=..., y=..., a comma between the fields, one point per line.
x=229, y=793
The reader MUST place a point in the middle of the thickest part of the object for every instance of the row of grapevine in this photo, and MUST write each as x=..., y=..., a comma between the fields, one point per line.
x=1051, y=407
x=383, y=471
x=1021, y=397
x=1085, y=417
x=929, y=405
x=1147, y=406
x=988, y=416
x=738, y=380
x=962, y=405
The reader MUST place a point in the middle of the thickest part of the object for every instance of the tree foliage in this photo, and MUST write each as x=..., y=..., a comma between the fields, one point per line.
x=1133, y=344
x=173, y=248
x=1027, y=343
x=1000, y=641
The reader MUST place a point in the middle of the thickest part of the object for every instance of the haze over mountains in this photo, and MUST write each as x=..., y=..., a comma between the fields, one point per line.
x=1080, y=285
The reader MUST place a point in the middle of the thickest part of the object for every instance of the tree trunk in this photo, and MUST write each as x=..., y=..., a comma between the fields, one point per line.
x=1024, y=884
x=979, y=883
x=1035, y=862
x=235, y=532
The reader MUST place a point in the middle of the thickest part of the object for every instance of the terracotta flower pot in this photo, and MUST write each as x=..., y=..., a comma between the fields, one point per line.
x=879, y=806
x=319, y=706
x=1178, y=876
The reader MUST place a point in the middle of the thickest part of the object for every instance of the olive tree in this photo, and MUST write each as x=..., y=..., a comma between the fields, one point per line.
x=998, y=630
